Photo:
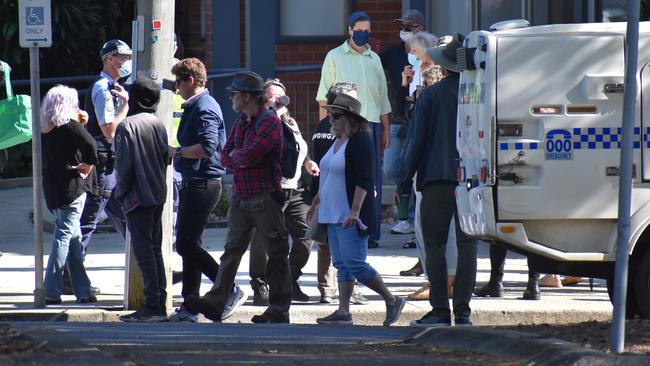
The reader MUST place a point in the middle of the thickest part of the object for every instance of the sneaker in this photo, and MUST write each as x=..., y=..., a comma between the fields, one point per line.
x=87, y=300
x=51, y=301
x=462, y=321
x=236, y=299
x=182, y=314
x=402, y=227
x=202, y=305
x=297, y=294
x=325, y=299
x=145, y=315
x=266, y=318
x=357, y=298
x=394, y=311
x=335, y=318
x=432, y=320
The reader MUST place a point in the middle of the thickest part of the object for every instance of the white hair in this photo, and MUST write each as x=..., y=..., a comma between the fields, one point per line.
x=59, y=105
x=423, y=40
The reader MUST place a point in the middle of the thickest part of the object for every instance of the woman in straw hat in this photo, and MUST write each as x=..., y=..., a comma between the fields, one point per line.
x=345, y=203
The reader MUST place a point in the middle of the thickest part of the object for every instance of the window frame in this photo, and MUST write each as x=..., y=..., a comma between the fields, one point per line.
x=281, y=38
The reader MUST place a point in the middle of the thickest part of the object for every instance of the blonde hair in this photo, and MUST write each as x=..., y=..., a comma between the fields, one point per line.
x=59, y=105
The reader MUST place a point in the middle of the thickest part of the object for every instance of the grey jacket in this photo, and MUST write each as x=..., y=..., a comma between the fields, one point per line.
x=431, y=147
x=141, y=160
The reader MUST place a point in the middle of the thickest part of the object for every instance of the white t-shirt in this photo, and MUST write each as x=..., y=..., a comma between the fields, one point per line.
x=302, y=154
x=334, y=206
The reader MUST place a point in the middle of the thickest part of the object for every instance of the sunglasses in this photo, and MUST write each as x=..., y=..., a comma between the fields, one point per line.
x=408, y=28
x=336, y=116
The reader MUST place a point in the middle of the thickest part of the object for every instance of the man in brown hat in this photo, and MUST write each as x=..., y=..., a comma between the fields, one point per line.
x=254, y=154
x=432, y=153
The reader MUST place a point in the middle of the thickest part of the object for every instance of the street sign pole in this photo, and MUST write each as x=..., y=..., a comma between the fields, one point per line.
x=35, y=29
x=625, y=179
x=37, y=191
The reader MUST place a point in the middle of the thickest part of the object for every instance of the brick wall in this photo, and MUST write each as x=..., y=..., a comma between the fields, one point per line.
x=302, y=87
x=194, y=46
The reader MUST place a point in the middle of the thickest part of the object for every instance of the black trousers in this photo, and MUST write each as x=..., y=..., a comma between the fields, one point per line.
x=295, y=212
x=198, y=198
x=145, y=227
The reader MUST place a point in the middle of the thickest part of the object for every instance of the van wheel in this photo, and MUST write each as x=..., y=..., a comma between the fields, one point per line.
x=642, y=285
x=631, y=308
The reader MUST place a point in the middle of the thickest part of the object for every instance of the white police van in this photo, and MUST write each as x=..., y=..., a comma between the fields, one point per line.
x=539, y=136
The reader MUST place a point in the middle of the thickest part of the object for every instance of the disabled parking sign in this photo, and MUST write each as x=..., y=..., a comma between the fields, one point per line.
x=35, y=23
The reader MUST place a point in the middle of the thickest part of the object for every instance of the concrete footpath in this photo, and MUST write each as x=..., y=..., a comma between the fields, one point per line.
x=105, y=265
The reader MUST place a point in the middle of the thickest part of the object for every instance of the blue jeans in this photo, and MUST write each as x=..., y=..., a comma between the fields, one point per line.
x=95, y=204
x=393, y=156
x=67, y=247
x=379, y=158
x=349, y=251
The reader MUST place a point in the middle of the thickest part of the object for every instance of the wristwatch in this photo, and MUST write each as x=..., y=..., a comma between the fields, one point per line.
x=178, y=151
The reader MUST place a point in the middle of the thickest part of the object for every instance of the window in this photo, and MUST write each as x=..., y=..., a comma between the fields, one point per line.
x=313, y=18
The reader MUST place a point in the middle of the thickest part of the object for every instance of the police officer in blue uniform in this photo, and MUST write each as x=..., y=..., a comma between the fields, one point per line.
x=107, y=106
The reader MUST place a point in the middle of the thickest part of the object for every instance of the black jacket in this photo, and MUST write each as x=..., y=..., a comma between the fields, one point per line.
x=394, y=59
x=141, y=161
x=359, y=171
x=64, y=147
x=321, y=141
x=431, y=147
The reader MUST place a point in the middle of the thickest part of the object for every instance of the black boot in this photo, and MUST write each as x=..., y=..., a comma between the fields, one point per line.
x=532, y=289
x=415, y=271
x=260, y=292
x=494, y=287
x=296, y=292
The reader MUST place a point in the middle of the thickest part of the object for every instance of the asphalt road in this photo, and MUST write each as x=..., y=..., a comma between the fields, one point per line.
x=229, y=344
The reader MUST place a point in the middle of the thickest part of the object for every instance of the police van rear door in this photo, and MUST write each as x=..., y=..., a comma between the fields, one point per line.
x=559, y=113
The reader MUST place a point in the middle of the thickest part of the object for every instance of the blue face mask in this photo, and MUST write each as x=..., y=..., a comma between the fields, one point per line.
x=125, y=69
x=413, y=60
x=360, y=38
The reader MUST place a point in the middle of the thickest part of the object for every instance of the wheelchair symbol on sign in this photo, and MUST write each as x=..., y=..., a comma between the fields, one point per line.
x=34, y=16
x=559, y=148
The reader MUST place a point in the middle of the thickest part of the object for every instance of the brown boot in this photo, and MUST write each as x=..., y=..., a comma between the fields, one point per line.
x=415, y=271
x=421, y=294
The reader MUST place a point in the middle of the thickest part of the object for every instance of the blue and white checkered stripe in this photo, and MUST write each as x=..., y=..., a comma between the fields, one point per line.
x=590, y=138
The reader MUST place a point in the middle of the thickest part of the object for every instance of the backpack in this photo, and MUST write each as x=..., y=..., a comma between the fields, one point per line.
x=290, y=150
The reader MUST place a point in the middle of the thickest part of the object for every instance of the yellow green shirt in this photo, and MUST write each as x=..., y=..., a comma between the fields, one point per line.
x=177, y=112
x=365, y=70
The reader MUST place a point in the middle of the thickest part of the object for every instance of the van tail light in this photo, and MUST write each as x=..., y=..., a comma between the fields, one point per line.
x=484, y=169
x=460, y=174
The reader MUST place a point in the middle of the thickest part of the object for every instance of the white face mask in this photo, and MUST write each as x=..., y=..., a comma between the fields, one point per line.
x=405, y=36
x=125, y=69
x=281, y=111
x=413, y=60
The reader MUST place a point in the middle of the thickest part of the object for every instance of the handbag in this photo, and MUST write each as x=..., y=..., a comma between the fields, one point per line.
x=15, y=115
x=316, y=231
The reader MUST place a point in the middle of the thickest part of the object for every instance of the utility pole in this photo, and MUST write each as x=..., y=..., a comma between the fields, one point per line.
x=154, y=59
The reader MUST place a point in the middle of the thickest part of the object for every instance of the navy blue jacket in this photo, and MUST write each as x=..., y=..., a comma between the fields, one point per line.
x=394, y=59
x=359, y=171
x=431, y=149
x=202, y=123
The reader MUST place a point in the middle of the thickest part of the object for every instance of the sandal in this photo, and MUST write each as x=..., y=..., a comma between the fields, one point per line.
x=409, y=244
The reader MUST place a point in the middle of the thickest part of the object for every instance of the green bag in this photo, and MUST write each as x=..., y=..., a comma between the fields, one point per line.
x=15, y=115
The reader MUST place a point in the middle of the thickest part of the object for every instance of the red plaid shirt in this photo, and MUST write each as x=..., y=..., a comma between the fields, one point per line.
x=254, y=155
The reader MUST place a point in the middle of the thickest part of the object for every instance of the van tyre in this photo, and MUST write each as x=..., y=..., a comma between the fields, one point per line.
x=631, y=308
x=642, y=286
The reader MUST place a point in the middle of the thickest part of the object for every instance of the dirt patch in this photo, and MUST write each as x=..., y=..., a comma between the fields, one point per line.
x=594, y=335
